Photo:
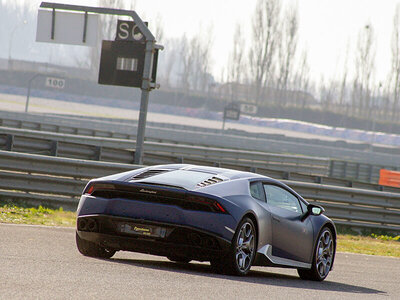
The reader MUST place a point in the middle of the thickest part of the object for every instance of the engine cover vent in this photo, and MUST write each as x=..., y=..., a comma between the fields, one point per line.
x=209, y=181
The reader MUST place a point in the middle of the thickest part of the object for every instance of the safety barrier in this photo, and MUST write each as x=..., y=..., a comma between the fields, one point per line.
x=354, y=207
x=48, y=180
x=58, y=181
x=294, y=167
x=120, y=150
x=81, y=126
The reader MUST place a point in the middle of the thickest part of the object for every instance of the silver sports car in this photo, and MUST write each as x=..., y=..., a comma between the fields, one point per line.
x=232, y=219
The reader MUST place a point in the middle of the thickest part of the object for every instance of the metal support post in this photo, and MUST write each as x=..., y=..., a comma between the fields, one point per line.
x=29, y=90
x=223, y=122
x=148, y=66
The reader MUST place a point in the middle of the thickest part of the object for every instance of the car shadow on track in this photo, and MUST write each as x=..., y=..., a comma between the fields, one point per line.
x=255, y=276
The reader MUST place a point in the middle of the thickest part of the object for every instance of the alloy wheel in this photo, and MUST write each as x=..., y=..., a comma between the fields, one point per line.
x=324, y=254
x=245, y=247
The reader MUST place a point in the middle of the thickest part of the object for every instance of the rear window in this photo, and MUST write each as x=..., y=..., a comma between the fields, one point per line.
x=184, y=178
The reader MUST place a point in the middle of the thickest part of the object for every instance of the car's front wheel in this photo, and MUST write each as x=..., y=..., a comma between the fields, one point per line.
x=323, y=257
x=88, y=248
x=242, y=251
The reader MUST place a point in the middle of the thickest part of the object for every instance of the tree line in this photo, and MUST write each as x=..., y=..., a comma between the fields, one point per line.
x=269, y=68
x=266, y=68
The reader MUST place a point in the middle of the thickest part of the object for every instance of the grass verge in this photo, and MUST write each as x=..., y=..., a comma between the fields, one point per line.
x=36, y=216
x=372, y=244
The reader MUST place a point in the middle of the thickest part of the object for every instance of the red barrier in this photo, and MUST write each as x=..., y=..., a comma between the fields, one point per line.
x=389, y=178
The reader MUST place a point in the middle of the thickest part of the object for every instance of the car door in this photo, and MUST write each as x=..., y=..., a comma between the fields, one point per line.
x=292, y=238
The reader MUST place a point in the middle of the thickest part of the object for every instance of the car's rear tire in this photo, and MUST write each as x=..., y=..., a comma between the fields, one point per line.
x=324, y=254
x=88, y=248
x=242, y=252
x=179, y=259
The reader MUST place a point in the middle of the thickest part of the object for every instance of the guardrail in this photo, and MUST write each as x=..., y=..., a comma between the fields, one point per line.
x=80, y=126
x=59, y=182
x=340, y=144
x=50, y=180
x=354, y=207
x=300, y=168
x=119, y=150
x=357, y=171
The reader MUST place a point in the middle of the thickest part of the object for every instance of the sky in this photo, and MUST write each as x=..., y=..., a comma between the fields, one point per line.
x=326, y=27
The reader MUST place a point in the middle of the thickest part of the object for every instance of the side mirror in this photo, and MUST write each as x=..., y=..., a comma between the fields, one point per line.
x=312, y=210
x=315, y=210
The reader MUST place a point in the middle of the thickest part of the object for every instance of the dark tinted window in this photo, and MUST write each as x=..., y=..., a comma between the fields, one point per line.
x=280, y=197
x=183, y=178
x=256, y=191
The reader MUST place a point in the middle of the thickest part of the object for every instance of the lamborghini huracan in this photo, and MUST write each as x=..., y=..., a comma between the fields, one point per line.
x=232, y=219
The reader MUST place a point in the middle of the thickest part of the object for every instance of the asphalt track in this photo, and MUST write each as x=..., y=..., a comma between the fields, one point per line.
x=42, y=263
x=41, y=105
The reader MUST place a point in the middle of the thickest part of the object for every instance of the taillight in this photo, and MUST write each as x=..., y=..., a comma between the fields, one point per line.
x=91, y=188
x=219, y=206
x=211, y=203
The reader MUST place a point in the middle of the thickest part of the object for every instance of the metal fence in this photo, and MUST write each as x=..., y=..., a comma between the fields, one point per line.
x=103, y=128
x=49, y=180
x=59, y=182
x=354, y=207
x=357, y=171
x=120, y=150
x=299, y=168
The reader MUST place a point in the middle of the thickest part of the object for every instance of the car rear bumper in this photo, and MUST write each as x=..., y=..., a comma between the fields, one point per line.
x=219, y=224
x=168, y=240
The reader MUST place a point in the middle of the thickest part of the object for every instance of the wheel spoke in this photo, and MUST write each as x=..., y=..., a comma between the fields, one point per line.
x=327, y=238
x=247, y=245
x=323, y=264
x=320, y=250
x=328, y=249
x=244, y=258
x=248, y=230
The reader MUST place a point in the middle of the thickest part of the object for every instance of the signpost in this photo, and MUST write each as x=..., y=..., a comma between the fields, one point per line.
x=52, y=82
x=136, y=60
x=231, y=112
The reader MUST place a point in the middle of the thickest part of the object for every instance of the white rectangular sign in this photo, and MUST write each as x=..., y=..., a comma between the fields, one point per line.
x=68, y=28
x=54, y=82
x=248, y=108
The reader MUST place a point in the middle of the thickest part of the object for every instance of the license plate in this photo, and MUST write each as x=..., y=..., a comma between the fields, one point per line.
x=140, y=229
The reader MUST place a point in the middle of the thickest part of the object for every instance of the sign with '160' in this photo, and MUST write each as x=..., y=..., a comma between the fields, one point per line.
x=54, y=82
